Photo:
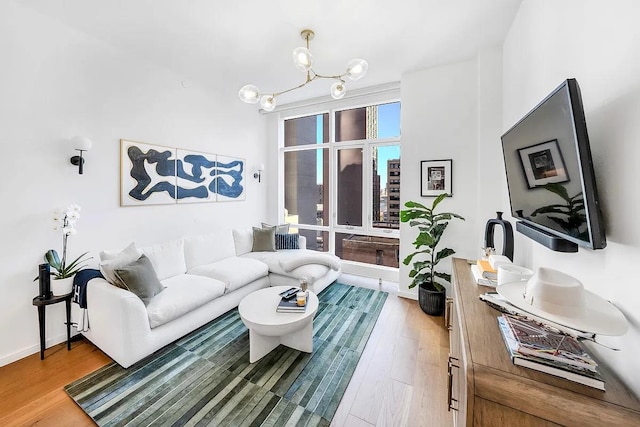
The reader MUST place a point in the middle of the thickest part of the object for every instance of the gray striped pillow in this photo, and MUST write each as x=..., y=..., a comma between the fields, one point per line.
x=287, y=241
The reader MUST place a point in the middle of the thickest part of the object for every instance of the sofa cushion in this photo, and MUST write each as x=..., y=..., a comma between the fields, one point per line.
x=167, y=258
x=243, y=239
x=208, y=248
x=183, y=293
x=140, y=278
x=287, y=241
x=234, y=272
x=264, y=239
x=110, y=260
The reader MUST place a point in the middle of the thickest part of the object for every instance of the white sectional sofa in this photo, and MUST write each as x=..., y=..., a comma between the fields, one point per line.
x=203, y=277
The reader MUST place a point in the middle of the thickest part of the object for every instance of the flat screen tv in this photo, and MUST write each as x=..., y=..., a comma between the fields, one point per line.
x=552, y=185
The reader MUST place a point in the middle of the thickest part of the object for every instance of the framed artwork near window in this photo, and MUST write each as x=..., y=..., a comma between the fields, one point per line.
x=435, y=177
x=543, y=164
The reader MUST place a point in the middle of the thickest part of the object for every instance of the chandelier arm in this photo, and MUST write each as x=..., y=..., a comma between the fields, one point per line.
x=336, y=77
x=315, y=76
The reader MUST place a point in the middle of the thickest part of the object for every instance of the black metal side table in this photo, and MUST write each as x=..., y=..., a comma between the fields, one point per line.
x=42, y=303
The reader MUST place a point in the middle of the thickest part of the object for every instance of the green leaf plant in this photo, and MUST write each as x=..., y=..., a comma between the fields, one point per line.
x=62, y=269
x=431, y=226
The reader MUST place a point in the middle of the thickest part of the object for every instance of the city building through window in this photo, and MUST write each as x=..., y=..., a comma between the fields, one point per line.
x=342, y=190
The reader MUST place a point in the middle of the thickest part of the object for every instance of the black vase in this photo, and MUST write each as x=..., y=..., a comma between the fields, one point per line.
x=507, y=235
x=431, y=301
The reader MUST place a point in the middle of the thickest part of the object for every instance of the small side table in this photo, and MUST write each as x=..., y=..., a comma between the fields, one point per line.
x=42, y=303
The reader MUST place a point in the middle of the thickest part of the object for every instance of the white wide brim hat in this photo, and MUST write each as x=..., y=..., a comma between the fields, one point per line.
x=560, y=298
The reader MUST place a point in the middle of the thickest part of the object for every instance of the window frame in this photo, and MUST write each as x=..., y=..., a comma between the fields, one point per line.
x=367, y=176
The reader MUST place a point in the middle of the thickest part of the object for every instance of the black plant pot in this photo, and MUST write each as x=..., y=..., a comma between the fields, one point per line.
x=431, y=301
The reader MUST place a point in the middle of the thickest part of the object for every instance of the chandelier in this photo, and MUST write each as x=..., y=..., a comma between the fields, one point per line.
x=303, y=60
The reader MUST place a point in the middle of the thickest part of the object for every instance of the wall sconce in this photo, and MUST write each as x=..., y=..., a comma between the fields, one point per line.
x=258, y=174
x=81, y=144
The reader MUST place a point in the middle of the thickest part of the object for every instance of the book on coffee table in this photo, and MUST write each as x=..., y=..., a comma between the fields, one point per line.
x=290, y=306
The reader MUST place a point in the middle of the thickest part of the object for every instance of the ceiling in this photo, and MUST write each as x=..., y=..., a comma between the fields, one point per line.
x=250, y=41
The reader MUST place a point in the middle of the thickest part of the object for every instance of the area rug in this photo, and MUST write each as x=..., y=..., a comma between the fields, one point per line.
x=205, y=378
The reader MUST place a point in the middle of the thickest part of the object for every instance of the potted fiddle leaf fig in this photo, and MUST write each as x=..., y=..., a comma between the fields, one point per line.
x=431, y=226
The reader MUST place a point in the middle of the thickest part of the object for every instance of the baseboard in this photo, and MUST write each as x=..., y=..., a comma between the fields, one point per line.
x=28, y=351
x=408, y=295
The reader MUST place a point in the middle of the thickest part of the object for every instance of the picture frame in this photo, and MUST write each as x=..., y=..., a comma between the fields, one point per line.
x=436, y=177
x=154, y=174
x=543, y=164
x=147, y=174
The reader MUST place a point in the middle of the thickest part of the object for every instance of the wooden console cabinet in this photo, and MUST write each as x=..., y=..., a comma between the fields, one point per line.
x=486, y=389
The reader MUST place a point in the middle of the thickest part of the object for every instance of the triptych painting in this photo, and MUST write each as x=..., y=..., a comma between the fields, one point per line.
x=154, y=175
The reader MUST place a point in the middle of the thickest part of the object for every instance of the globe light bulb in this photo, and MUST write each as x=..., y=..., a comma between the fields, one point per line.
x=302, y=58
x=357, y=68
x=268, y=102
x=249, y=94
x=338, y=90
x=81, y=143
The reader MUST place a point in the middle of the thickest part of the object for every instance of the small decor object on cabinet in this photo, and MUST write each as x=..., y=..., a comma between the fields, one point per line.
x=507, y=235
x=431, y=294
x=304, y=284
x=435, y=177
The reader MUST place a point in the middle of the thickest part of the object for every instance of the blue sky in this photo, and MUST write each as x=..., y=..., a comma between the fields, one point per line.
x=388, y=126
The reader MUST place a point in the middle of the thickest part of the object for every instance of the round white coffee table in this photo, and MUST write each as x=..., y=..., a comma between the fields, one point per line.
x=268, y=328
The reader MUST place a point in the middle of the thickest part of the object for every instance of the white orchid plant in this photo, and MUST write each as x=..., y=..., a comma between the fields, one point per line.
x=65, y=220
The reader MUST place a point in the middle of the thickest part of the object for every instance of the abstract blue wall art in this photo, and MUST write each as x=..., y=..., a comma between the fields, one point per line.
x=195, y=172
x=229, y=178
x=148, y=174
x=152, y=174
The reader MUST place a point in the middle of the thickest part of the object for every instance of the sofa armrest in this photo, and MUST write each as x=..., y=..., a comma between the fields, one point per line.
x=117, y=319
x=302, y=242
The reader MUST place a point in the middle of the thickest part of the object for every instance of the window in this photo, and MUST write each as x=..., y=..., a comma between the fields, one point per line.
x=341, y=182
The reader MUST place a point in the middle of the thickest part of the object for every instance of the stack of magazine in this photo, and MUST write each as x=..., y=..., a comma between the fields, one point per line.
x=538, y=346
x=289, y=303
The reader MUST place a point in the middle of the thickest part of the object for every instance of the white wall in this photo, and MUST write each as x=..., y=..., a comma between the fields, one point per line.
x=599, y=45
x=453, y=112
x=56, y=83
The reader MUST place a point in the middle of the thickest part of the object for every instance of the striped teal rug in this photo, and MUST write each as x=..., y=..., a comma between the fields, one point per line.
x=205, y=378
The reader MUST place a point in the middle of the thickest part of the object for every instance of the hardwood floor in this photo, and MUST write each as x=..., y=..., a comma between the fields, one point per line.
x=400, y=379
x=31, y=389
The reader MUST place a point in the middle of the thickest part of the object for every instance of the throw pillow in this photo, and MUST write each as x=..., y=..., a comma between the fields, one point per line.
x=287, y=241
x=111, y=261
x=140, y=278
x=280, y=228
x=264, y=239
